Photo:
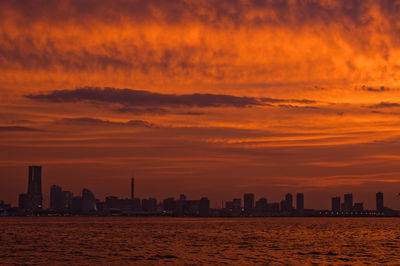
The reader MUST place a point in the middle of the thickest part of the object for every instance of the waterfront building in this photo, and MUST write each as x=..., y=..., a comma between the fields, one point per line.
x=336, y=204
x=35, y=198
x=300, y=202
x=289, y=202
x=348, y=202
x=358, y=207
x=56, y=198
x=88, y=201
x=248, y=200
x=204, y=207
x=379, y=202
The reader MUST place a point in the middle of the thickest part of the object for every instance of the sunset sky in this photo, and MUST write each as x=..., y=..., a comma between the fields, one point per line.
x=208, y=98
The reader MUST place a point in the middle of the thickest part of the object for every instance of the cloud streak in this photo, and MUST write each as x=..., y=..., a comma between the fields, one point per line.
x=385, y=105
x=140, y=98
x=17, y=128
x=101, y=122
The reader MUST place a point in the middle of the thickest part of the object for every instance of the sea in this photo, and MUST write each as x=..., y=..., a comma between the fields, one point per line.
x=198, y=241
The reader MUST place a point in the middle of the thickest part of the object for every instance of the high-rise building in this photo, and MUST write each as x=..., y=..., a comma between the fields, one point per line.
x=261, y=206
x=289, y=202
x=60, y=200
x=204, y=207
x=237, y=207
x=379, y=202
x=55, y=198
x=348, y=202
x=169, y=204
x=35, y=197
x=284, y=206
x=336, y=204
x=132, y=188
x=88, y=201
x=23, y=201
x=300, y=201
x=248, y=200
x=149, y=205
x=66, y=200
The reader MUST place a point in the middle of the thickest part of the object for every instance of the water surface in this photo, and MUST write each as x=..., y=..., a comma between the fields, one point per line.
x=148, y=241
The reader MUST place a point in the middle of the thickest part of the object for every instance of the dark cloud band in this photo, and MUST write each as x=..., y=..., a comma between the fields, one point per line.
x=129, y=97
x=151, y=102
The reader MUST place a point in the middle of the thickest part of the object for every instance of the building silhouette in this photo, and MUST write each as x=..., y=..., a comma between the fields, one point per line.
x=379, y=202
x=60, y=201
x=113, y=203
x=149, y=205
x=35, y=188
x=169, y=204
x=23, y=201
x=300, y=202
x=88, y=201
x=336, y=204
x=33, y=200
x=67, y=200
x=64, y=203
x=261, y=207
x=289, y=202
x=284, y=206
x=348, y=203
x=229, y=205
x=204, y=207
x=358, y=207
x=237, y=207
x=55, y=198
x=273, y=207
x=248, y=200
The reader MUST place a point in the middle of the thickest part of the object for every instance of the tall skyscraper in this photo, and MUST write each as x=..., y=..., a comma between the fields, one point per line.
x=336, y=204
x=132, y=188
x=348, y=202
x=379, y=202
x=35, y=197
x=289, y=202
x=300, y=201
x=248, y=199
x=55, y=198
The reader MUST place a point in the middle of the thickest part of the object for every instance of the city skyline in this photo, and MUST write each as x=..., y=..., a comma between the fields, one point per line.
x=65, y=200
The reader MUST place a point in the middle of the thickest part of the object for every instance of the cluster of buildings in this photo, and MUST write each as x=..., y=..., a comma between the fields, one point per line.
x=347, y=208
x=261, y=207
x=64, y=202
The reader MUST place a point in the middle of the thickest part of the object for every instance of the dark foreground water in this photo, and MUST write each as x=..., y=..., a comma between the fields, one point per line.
x=177, y=241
